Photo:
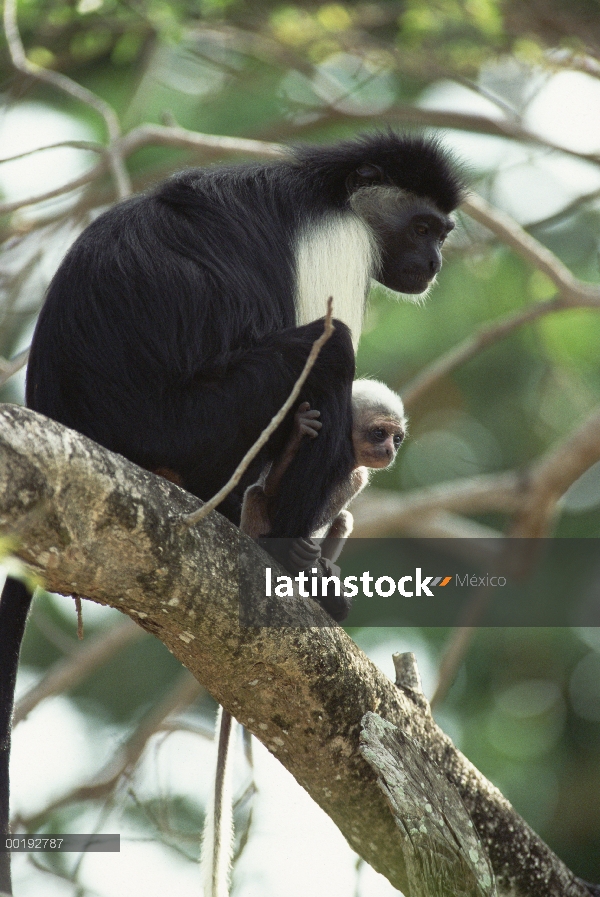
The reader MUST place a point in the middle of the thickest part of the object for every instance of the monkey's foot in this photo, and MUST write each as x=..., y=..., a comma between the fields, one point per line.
x=304, y=553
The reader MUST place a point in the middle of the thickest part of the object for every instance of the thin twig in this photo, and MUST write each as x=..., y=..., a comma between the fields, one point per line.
x=266, y=434
x=156, y=135
x=64, y=144
x=86, y=178
x=443, y=119
x=530, y=249
x=79, y=612
x=570, y=209
x=184, y=692
x=570, y=60
x=480, y=124
x=167, y=135
x=70, y=87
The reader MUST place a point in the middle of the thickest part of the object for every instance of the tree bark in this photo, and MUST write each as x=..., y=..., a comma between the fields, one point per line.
x=91, y=523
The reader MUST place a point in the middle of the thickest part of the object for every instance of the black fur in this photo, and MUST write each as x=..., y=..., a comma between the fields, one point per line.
x=166, y=334
x=14, y=608
x=415, y=163
x=169, y=333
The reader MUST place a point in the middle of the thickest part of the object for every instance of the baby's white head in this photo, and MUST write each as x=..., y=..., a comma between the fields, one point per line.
x=379, y=423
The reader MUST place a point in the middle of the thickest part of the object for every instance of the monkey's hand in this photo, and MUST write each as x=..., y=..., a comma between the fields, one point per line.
x=306, y=422
x=304, y=553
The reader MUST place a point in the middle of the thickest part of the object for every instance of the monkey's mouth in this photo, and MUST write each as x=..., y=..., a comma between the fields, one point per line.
x=378, y=458
x=414, y=282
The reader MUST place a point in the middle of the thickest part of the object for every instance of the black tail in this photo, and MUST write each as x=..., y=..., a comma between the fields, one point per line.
x=14, y=607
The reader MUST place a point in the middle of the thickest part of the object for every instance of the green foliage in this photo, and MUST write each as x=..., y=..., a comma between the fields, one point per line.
x=454, y=34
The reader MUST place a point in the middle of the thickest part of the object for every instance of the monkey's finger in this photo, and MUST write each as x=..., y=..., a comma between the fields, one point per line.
x=311, y=414
x=311, y=429
x=304, y=407
x=306, y=549
x=303, y=560
x=296, y=564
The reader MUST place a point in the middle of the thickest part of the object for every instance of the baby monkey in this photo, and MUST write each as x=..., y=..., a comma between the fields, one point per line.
x=378, y=429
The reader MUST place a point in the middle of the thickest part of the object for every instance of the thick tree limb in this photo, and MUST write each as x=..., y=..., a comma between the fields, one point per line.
x=93, y=524
x=442, y=852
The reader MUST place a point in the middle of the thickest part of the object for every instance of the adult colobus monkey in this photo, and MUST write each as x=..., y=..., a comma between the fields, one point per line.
x=179, y=321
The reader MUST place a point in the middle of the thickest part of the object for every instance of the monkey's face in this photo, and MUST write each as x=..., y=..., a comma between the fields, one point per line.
x=376, y=444
x=409, y=232
x=411, y=254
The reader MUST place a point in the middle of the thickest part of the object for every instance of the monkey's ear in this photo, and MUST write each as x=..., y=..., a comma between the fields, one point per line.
x=364, y=176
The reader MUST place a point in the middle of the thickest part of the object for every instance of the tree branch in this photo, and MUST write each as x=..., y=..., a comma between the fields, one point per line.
x=86, y=178
x=552, y=475
x=155, y=135
x=93, y=524
x=379, y=512
x=530, y=249
x=181, y=138
x=70, y=87
x=63, y=144
x=70, y=671
x=127, y=755
x=572, y=293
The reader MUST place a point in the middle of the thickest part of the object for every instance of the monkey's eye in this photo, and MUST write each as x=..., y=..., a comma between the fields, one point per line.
x=370, y=172
x=364, y=176
x=421, y=228
x=379, y=435
x=398, y=439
